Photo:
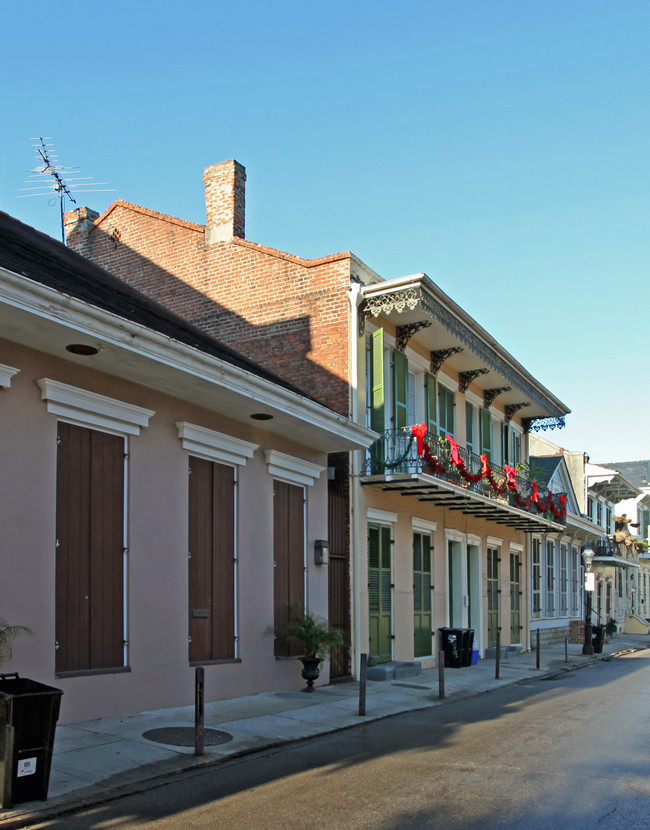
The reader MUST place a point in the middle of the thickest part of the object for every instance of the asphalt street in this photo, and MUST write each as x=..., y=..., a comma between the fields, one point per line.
x=568, y=751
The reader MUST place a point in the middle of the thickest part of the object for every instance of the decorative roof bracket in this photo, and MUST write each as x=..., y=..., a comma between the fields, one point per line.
x=513, y=408
x=404, y=333
x=465, y=378
x=439, y=357
x=490, y=394
x=538, y=424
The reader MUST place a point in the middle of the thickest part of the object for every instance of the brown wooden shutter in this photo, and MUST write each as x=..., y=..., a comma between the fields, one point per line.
x=339, y=580
x=90, y=549
x=289, y=561
x=212, y=561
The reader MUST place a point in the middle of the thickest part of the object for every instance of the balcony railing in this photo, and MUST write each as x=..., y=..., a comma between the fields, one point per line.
x=396, y=452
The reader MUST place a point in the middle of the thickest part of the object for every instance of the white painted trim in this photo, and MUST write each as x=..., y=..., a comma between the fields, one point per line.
x=292, y=469
x=494, y=541
x=173, y=359
x=423, y=524
x=455, y=535
x=374, y=514
x=515, y=546
x=83, y=407
x=472, y=539
x=6, y=374
x=215, y=446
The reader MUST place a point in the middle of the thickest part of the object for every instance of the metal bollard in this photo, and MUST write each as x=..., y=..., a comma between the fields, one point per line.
x=538, y=655
x=362, y=684
x=497, y=661
x=441, y=675
x=199, y=712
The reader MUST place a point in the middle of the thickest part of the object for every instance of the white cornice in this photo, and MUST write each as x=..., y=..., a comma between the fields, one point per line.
x=6, y=374
x=220, y=381
x=215, y=446
x=374, y=514
x=84, y=407
x=423, y=524
x=292, y=469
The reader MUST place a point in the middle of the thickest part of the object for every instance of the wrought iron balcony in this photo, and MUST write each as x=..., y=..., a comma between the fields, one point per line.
x=396, y=453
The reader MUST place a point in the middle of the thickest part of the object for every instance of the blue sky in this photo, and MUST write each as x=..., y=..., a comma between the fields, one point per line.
x=500, y=147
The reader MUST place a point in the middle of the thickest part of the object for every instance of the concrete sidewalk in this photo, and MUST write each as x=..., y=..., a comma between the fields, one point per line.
x=99, y=760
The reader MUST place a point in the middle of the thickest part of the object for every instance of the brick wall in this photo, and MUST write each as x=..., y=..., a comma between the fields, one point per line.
x=284, y=312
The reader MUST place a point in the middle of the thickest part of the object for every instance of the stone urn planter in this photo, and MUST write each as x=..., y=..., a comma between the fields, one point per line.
x=317, y=638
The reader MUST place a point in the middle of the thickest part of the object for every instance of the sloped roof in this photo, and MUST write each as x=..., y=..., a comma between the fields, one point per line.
x=32, y=254
x=544, y=467
x=635, y=471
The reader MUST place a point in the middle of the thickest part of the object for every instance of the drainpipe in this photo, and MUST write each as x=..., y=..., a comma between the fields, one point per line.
x=353, y=328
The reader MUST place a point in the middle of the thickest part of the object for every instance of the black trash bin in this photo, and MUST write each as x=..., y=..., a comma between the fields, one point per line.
x=468, y=645
x=28, y=715
x=597, y=640
x=457, y=647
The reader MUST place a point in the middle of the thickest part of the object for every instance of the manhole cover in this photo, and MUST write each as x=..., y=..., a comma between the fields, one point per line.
x=185, y=736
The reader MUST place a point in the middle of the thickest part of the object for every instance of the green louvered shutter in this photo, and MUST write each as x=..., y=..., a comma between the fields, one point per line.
x=486, y=433
x=377, y=380
x=401, y=379
x=422, y=594
x=379, y=592
x=431, y=401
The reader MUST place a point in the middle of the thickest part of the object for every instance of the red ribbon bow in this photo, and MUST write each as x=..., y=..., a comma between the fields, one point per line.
x=419, y=431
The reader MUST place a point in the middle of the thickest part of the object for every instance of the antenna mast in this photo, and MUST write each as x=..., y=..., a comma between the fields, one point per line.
x=63, y=183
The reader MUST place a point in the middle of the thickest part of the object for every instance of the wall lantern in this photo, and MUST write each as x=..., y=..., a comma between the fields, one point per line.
x=321, y=552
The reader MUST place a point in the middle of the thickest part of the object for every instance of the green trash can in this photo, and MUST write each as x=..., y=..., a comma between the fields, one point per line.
x=28, y=715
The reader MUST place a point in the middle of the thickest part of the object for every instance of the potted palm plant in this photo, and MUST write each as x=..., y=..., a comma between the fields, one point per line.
x=8, y=633
x=317, y=638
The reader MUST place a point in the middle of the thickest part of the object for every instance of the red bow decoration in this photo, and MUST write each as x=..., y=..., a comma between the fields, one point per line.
x=484, y=466
x=535, y=491
x=419, y=431
x=511, y=474
x=454, y=451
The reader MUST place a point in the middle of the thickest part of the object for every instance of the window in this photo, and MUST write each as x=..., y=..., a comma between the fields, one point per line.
x=486, y=433
x=599, y=513
x=469, y=426
x=288, y=561
x=550, y=579
x=212, y=561
x=400, y=390
x=505, y=444
x=516, y=448
x=90, y=550
x=446, y=405
x=430, y=392
x=564, y=581
x=536, y=578
x=575, y=582
x=590, y=508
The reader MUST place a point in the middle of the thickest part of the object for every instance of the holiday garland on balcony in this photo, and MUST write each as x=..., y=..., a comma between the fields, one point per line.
x=503, y=487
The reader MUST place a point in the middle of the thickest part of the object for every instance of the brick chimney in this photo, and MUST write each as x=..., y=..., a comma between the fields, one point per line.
x=225, y=201
x=76, y=224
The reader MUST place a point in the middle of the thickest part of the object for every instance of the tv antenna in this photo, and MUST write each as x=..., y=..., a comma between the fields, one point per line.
x=63, y=179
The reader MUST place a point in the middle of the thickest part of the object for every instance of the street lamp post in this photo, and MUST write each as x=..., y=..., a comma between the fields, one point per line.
x=588, y=557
